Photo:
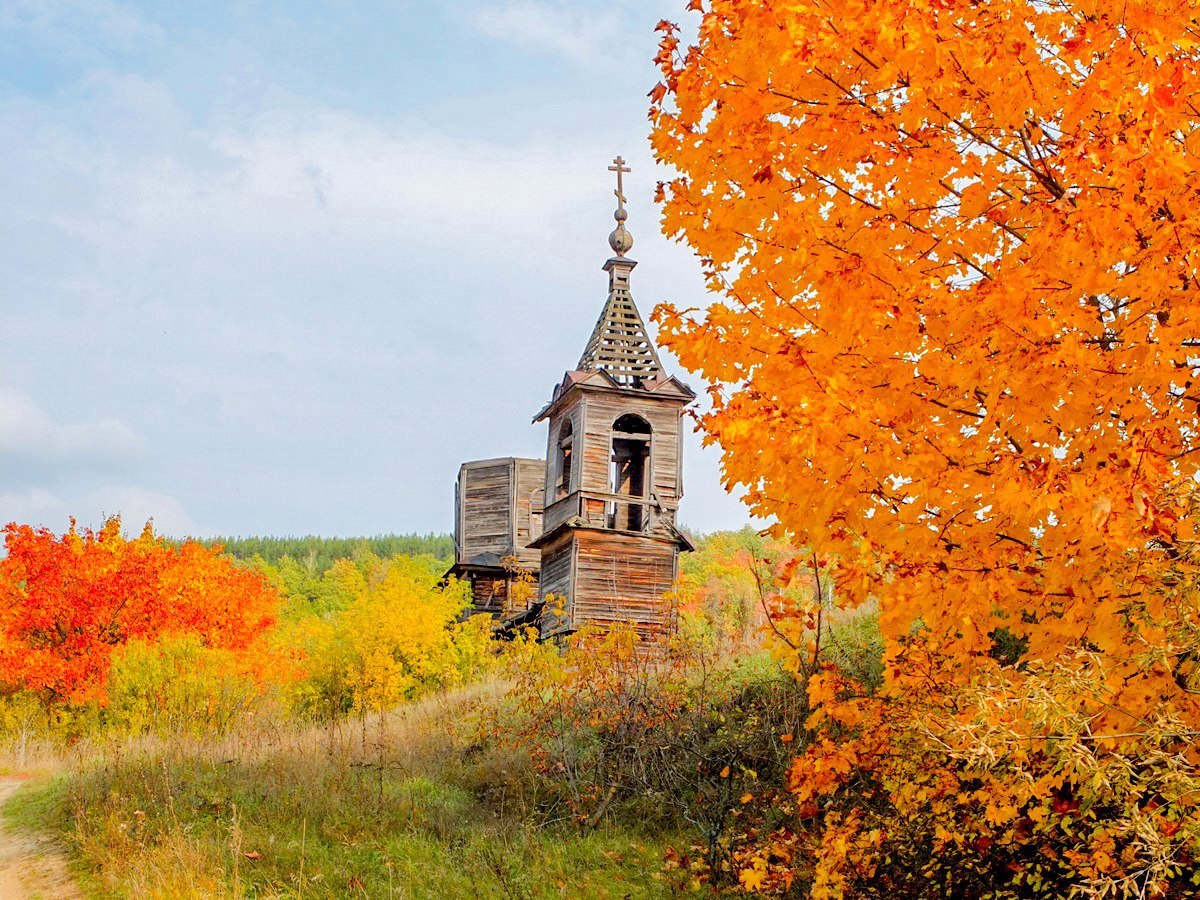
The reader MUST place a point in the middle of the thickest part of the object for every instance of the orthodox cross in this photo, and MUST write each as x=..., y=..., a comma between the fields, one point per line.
x=620, y=168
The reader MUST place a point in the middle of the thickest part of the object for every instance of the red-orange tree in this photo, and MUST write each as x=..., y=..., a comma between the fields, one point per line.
x=957, y=243
x=66, y=603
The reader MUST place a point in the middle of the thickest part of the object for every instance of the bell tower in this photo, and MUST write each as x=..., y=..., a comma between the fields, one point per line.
x=610, y=541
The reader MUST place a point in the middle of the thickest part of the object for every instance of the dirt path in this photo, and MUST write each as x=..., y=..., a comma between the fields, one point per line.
x=31, y=867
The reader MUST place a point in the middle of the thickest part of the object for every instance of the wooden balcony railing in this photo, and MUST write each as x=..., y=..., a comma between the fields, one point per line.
x=603, y=510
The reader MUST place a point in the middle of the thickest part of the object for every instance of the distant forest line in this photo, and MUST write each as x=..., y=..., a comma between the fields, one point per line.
x=318, y=554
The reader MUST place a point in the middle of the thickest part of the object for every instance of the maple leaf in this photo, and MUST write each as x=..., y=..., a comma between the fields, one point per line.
x=753, y=878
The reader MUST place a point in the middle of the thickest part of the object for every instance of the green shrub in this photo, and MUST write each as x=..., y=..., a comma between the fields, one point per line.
x=855, y=646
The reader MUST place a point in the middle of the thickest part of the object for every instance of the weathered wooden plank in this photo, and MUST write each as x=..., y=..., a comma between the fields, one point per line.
x=572, y=413
x=623, y=578
x=556, y=571
x=496, y=508
x=554, y=586
x=489, y=594
x=530, y=503
x=484, y=489
x=603, y=410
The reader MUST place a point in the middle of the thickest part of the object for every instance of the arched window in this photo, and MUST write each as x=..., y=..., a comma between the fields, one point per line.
x=566, y=441
x=629, y=474
x=632, y=424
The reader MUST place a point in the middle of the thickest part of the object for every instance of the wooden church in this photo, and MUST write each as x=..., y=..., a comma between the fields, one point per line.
x=596, y=521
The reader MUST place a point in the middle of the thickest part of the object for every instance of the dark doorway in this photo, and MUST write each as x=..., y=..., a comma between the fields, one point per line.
x=630, y=473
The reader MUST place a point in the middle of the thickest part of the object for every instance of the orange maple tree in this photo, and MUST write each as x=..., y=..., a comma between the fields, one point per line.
x=66, y=603
x=957, y=243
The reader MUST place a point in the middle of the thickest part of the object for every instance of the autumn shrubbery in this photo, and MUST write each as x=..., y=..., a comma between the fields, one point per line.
x=100, y=632
x=1020, y=783
x=694, y=737
x=392, y=634
x=679, y=742
x=179, y=686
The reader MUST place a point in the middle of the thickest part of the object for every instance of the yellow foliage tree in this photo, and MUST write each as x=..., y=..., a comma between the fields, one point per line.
x=179, y=686
x=395, y=640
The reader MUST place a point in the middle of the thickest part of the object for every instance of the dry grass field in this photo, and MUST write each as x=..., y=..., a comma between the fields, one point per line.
x=408, y=804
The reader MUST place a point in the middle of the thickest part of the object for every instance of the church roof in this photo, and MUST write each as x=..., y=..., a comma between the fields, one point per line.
x=666, y=387
x=620, y=344
x=620, y=354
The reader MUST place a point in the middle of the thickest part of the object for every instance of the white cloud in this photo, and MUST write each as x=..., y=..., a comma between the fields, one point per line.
x=26, y=432
x=591, y=38
x=78, y=27
x=32, y=507
x=343, y=172
x=135, y=506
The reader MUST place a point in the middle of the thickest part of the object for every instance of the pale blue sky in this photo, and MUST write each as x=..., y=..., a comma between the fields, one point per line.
x=279, y=267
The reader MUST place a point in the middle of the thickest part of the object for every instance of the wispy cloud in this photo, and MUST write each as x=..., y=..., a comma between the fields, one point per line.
x=587, y=37
x=78, y=27
x=28, y=433
x=136, y=506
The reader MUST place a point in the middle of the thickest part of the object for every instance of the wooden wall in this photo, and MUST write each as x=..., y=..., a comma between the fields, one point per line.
x=606, y=577
x=601, y=410
x=489, y=594
x=572, y=411
x=529, y=502
x=483, y=523
x=623, y=578
x=492, y=593
x=499, y=506
x=558, y=563
x=592, y=414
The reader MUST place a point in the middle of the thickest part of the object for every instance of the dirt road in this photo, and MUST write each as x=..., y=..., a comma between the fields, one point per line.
x=31, y=867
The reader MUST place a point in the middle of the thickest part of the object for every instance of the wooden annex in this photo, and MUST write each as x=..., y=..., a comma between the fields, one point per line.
x=497, y=515
x=600, y=529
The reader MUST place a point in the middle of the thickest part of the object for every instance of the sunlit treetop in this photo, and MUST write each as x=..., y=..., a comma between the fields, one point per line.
x=956, y=244
x=66, y=603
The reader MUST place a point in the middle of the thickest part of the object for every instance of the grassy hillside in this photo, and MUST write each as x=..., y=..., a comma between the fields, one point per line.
x=369, y=743
x=404, y=805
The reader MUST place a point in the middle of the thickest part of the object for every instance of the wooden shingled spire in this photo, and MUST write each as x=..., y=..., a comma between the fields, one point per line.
x=620, y=344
